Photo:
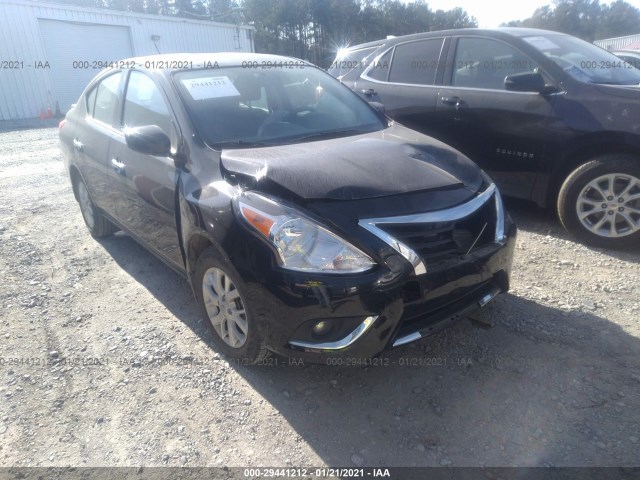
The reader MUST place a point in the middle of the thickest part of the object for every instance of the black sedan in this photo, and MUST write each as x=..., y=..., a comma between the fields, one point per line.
x=552, y=118
x=306, y=222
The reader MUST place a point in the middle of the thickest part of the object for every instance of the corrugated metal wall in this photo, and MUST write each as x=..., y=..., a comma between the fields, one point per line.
x=26, y=90
x=618, y=43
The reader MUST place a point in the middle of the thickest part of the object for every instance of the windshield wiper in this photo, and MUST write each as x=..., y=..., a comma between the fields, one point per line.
x=240, y=144
x=614, y=83
x=328, y=134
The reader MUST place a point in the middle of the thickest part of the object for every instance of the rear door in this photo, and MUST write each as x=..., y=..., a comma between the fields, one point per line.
x=92, y=136
x=146, y=184
x=406, y=79
x=502, y=131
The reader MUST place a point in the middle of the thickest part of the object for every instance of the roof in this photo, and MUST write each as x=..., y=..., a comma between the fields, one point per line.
x=513, y=31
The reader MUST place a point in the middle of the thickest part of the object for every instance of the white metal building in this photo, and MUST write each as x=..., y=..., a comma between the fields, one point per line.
x=49, y=51
x=630, y=42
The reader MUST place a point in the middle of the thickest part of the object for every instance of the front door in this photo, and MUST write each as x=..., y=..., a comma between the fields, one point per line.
x=502, y=131
x=146, y=184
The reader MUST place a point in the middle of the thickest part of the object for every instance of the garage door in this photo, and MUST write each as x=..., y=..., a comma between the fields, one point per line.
x=68, y=42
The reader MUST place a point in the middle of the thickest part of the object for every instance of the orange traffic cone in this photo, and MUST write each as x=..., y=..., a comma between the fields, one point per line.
x=49, y=112
x=42, y=114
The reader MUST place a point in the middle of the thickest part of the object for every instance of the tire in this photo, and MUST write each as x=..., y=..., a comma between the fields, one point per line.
x=98, y=225
x=231, y=319
x=593, y=213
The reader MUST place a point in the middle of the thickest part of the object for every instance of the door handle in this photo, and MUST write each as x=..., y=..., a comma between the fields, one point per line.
x=457, y=101
x=118, y=166
x=77, y=144
x=369, y=93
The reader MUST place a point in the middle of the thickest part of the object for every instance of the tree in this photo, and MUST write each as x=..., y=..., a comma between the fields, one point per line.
x=586, y=19
x=618, y=19
x=316, y=29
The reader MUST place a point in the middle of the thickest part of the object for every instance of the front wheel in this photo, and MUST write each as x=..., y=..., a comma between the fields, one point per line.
x=599, y=202
x=225, y=303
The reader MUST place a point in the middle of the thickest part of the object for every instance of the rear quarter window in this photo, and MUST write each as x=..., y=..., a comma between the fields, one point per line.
x=351, y=65
x=91, y=101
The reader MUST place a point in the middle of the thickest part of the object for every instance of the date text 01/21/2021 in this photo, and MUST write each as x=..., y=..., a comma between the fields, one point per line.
x=317, y=472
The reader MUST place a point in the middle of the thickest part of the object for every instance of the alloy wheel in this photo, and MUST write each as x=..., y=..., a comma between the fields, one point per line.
x=225, y=307
x=609, y=205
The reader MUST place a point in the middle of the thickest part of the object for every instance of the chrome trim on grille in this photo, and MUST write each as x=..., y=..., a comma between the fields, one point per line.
x=499, y=218
x=446, y=215
x=341, y=344
x=418, y=265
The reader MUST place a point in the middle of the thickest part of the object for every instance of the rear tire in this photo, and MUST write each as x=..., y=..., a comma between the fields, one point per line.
x=599, y=202
x=98, y=225
x=225, y=303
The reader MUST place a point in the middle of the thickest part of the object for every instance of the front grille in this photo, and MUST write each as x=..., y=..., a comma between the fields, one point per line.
x=436, y=241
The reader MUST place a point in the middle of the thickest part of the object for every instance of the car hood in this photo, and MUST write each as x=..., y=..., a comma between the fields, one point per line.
x=392, y=161
x=622, y=91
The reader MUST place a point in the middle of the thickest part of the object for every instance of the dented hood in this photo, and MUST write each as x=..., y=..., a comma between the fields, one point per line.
x=388, y=162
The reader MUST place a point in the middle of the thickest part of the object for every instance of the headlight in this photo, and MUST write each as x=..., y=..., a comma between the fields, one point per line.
x=301, y=243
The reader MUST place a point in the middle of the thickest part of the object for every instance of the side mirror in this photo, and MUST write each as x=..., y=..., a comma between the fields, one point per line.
x=149, y=139
x=378, y=107
x=525, y=82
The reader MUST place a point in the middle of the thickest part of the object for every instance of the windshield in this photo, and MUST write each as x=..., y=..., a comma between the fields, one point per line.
x=246, y=107
x=584, y=61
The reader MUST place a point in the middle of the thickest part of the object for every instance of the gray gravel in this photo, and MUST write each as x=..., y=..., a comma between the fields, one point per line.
x=104, y=359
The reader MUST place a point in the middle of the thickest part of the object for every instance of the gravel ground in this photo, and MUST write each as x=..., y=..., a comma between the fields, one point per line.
x=105, y=361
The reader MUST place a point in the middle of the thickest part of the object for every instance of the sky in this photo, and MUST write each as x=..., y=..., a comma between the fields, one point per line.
x=492, y=13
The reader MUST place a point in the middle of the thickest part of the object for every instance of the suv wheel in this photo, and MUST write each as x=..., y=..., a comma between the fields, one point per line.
x=599, y=202
x=97, y=224
x=225, y=304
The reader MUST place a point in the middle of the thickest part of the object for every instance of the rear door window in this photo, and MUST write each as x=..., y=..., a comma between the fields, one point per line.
x=107, y=99
x=416, y=62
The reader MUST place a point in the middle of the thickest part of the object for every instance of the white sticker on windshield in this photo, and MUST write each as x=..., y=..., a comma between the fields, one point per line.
x=541, y=43
x=210, y=87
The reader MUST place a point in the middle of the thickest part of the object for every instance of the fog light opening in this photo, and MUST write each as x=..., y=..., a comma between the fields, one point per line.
x=321, y=328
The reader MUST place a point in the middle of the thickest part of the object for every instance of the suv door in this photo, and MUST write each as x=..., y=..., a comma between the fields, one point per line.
x=405, y=80
x=146, y=184
x=503, y=131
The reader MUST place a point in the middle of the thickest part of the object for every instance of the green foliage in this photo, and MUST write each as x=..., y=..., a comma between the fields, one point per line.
x=316, y=29
x=587, y=19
